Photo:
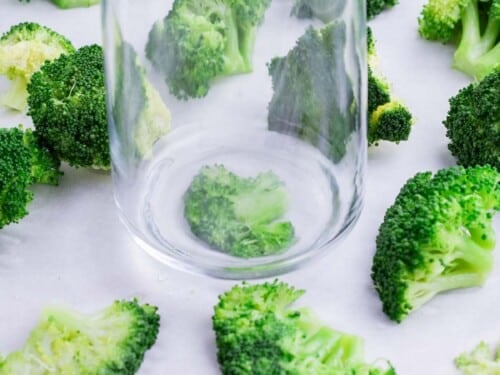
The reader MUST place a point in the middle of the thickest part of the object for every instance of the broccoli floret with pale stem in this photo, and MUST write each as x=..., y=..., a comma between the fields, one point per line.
x=480, y=361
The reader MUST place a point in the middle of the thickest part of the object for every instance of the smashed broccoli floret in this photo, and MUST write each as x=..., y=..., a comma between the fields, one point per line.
x=313, y=97
x=199, y=41
x=239, y=215
x=66, y=4
x=473, y=24
x=375, y=7
x=112, y=341
x=23, y=49
x=23, y=162
x=67, y=105
x=473, y=122
x=437, y=236
x=480, y=361
x=258, y=333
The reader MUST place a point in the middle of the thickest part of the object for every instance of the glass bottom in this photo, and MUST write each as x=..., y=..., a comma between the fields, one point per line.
x=318, y=210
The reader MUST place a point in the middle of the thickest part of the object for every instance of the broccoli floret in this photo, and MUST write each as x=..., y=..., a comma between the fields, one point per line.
x=473, y=122
x=23, y=49
x=199, y=41
x=66, y=4
x=112, y=341
x=388, y=119
x=22, y=163
x=313, y=97
x=258, y=332
x=437, y=236
x=480, y=361
x=375, y=7
x=324, y=10
x=474, y=24
x=239, y=215
x=67, y=104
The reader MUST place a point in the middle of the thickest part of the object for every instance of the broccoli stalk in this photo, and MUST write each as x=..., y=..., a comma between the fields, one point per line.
x=258, y=332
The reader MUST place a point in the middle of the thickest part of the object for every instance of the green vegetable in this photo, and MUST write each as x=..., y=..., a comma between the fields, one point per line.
x=239, y=215
x=65, y=4
x=375, y=7
x=473, y=24
x=313, y=97
x=258, y=333
x=112, y=341
x=199, y=41
x=67, y=104
x=480, y=361
x=23, y=49
x=473, y=122
x=437, y=236
x=324, y=10
x=22, y=163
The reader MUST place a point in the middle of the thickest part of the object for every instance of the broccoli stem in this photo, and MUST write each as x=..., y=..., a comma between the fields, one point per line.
x=65, y=4
x=15, y=98
x=233, y=60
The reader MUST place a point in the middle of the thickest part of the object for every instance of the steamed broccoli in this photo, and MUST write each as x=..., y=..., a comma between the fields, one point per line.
x=313, y=97
x=65, y=4
x=481, y=361
x=437, y=236
x=112, y=341
x=258, y=333
x=239, y=215
x=22, y=163
x=473, y=123
x=23, y=49
x=67, y=104
x=199, y=41
x=474, y=24
x=388, y=119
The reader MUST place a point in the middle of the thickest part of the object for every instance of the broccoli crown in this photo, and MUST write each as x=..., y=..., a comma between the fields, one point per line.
x=112, y=341
x=257, y=332
x=324, y=10
x=67, y=104
x=481, y=360
x=23, y=162
x=437, y=236
x=375, y=7
x=199, y=41
x=472, y=123
x=475, y=24
x=239, y=215
x=313, y=96
x=23, y=49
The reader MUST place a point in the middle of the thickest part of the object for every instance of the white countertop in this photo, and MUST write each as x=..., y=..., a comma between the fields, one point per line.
x=72, y=250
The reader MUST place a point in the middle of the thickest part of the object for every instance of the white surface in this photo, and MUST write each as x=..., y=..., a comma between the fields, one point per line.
x=72, y=250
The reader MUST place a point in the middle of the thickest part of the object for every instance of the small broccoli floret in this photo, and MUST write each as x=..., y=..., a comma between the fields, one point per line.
x=67, y=104
x=313, y=96
x=437, y=236
x=258, y=332
x=23, y=49
x=199, y=41
x=480, y=361
x=66, y=4
x=474, y=24
x=473, y=122
x=22, y=163
x=324, y=10
x=239, y=215
x=375, y=7
x=112, y=341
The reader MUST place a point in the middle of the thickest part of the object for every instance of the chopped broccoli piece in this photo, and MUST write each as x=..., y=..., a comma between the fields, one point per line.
x=22, y=163
x=375, y=7
x=324, y=10
x=23, y=49
x=112, y=341
x=480, y=361
x=473, y=122
x=313, y=97
x=475, y=24
x=437, y=236
x=67, y=104
x=258, y=332
x=199, y=41
x=66, y=4
x=239, y=215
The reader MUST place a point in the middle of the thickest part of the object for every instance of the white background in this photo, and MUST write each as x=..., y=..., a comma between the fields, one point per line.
x=72, y=250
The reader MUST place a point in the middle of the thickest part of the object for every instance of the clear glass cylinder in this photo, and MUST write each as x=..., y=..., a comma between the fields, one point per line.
x=237, y=128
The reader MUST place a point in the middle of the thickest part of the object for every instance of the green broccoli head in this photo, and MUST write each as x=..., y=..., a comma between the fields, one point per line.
x=67, y=104
x=481, y=360
x=238, y=215
x=375, y=7
x=258, y=332
x=437, y=236
x=23, y=49
x=474, y=24
x=473, y=121
x=199, y=41
x=112, y=341
x=23, y=162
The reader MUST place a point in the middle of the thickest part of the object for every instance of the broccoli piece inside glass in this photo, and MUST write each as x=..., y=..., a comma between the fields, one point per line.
x=324, y=10
x=437, y=236
x=239, y=215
